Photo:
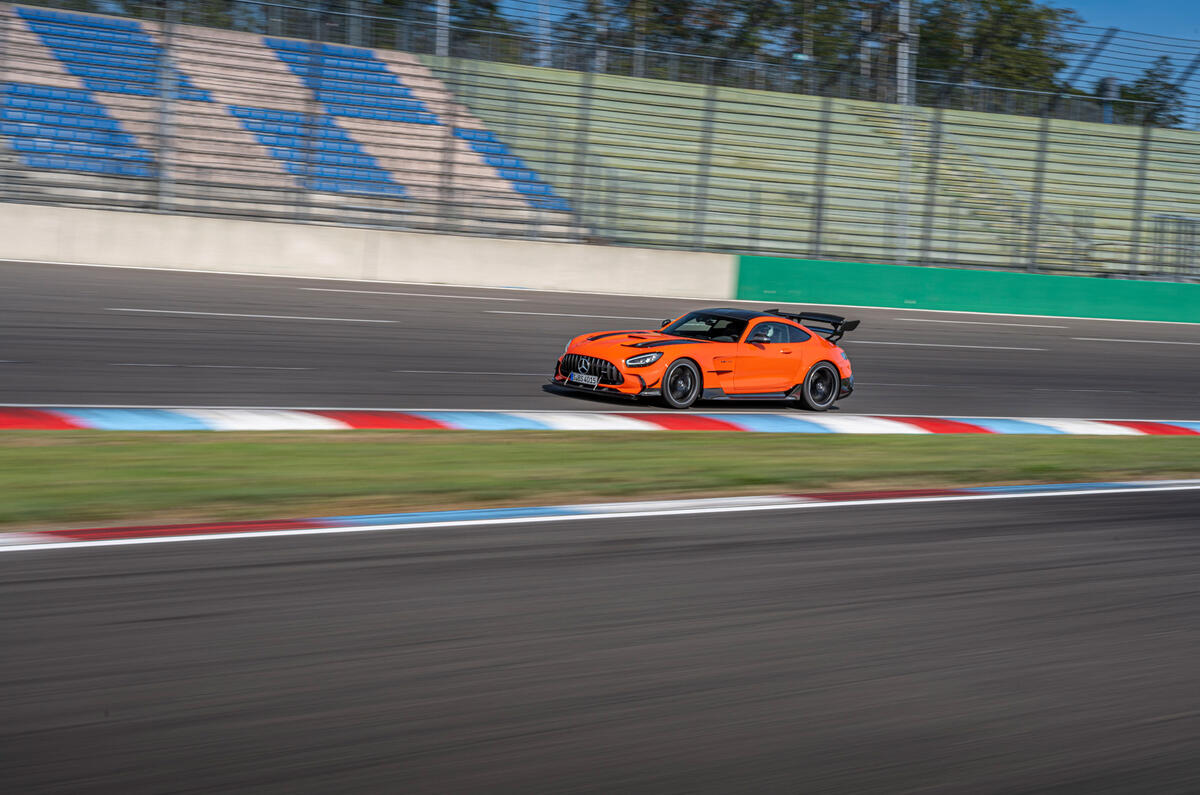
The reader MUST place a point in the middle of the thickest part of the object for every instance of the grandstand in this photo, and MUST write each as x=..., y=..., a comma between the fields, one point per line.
x=94, y=110
x=129, y=113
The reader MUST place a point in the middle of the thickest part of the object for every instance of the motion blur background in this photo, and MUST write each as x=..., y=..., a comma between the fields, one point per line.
x=972, y=133
x=601, y=154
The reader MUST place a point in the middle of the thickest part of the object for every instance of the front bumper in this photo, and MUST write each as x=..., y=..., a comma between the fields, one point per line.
x=638, y=382
x=605, y=390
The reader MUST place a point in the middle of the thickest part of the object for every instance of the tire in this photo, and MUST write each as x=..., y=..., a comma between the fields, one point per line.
x=820, y=387
x=681, y=384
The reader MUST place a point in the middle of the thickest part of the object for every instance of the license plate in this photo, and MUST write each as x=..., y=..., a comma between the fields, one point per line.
x=586, y=380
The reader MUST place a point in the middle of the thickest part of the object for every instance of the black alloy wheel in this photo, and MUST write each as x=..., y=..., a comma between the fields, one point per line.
x=681, y=384
x=820, y=387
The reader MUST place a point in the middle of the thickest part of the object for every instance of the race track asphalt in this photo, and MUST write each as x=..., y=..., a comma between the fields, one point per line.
x=1029, y=645
x=69, y=337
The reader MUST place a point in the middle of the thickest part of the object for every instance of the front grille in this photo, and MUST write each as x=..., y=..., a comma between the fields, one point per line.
x=608, y=372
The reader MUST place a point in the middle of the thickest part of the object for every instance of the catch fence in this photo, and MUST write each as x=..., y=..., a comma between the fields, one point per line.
x=541, y=136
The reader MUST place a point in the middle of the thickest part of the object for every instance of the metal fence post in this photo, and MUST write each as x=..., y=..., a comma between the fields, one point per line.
x=903, y=73
x=168, y=82
x=931, y=186
x=8, y=187
x=1139, y=197
x=355, y=23
x=708, y=122
x=580, y=155
x=906, y=135
x=312, y=117
x=1039, y=184
x=756, y=219
x=818, y=213
x=446, y=191
x=442, y=36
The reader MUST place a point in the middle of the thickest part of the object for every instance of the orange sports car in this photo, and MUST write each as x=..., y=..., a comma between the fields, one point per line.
x=717, y=354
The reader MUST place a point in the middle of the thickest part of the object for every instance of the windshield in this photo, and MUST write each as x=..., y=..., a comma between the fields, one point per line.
x=706, y=326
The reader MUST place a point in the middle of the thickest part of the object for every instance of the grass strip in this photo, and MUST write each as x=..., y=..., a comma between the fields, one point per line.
x=61, y=478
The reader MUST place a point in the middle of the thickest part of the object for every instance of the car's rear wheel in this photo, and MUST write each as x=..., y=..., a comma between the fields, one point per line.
x=820, y=387
x=681, y=384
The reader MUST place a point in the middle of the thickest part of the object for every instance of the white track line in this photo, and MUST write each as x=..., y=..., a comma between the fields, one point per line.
x=690, y=298
x=974, y=322
x=565, y=314
x=458, y=372
x=941, y=345
x=236, y=314
x=207, y=366
x=690, y=511
x=1147, y=342
x=412, y=295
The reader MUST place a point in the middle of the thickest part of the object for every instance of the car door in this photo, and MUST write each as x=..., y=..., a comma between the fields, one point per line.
x=769, y=365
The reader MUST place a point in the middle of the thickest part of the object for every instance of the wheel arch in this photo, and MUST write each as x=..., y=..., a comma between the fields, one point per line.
x=685, y=357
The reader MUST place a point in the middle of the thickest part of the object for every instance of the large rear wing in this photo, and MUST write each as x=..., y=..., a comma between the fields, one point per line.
x=831, y=327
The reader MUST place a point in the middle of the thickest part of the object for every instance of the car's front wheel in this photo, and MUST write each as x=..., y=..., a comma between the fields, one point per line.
x=681, y=384
x=820, y=387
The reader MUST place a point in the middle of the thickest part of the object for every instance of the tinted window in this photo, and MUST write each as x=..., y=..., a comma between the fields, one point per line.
x=776, y=333
x=798, y=334
x=705, y=326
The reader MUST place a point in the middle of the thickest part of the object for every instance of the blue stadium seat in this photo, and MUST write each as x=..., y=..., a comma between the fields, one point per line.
x=518, y=174
x=476, y=135
x=73, y=163
x=110, y=55
x=90, y=121
x=369, y=101
x=364, y=89
x=354, y=68
x=334, y=50
x=81, y=20
x=75, y=32
x=319, y=153
x=49, y=146
x=503, y=161
x=351, y=82
x=66, y=129
x=53, y=106
x=357, y=112
x=524, y=180
x=94, y=45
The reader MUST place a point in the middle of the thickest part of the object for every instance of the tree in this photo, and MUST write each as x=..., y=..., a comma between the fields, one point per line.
x=1005, y=43
x=1160, y=102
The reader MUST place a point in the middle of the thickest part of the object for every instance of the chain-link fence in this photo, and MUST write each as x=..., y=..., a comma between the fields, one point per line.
x=245, y=113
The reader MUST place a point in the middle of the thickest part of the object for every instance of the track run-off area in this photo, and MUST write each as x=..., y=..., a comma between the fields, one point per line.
x=1011, y=645
x=130, y=337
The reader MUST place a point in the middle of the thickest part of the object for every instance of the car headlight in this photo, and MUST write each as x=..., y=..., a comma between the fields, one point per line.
x=644, y=359
x=567, y=347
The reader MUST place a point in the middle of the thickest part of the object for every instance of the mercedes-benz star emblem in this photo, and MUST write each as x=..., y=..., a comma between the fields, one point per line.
x=583, y=366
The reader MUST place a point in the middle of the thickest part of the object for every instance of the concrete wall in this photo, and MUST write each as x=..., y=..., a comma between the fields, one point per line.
x=101, y=237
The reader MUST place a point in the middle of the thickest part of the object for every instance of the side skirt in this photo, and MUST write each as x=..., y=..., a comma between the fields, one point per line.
x=720, y=394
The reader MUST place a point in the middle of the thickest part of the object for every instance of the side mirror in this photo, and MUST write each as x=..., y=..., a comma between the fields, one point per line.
x=758, y=339
x=665, y=323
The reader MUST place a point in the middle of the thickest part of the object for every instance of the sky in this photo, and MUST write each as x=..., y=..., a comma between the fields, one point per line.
x=1178, y=18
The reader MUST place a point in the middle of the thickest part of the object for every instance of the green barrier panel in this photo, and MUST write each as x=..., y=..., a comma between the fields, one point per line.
x=862, y=284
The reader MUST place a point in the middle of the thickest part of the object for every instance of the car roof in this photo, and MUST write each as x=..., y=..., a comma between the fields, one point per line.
x=738, y=314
